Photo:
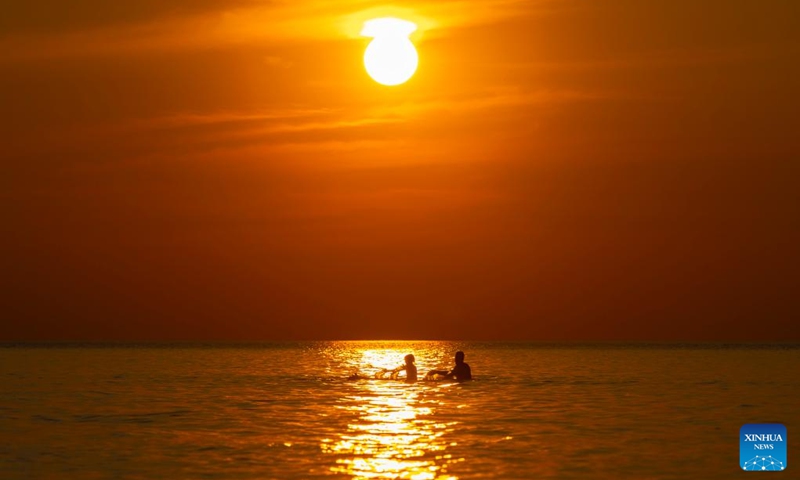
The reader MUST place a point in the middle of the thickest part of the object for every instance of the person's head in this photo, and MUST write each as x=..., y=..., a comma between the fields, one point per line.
x=459, y=357
x=409, y=359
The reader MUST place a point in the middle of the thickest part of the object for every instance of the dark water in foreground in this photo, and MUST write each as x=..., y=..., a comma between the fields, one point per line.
x=285, y=411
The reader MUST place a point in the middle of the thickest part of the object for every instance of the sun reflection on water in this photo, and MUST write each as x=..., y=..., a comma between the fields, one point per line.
x=395, y=433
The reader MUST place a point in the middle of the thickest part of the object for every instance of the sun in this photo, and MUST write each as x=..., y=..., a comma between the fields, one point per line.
x=390, y=58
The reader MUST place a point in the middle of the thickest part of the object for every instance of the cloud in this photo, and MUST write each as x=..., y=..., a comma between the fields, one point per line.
x=54, y=17
x=93, y=29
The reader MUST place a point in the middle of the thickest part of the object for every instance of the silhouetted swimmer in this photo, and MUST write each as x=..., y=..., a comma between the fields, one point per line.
x=461, y=372
x=409, y=367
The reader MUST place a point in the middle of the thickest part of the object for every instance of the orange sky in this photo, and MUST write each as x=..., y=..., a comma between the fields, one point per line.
x=556, y=170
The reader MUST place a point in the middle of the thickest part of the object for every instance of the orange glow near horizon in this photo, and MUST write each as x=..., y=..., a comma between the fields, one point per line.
x=197, y=170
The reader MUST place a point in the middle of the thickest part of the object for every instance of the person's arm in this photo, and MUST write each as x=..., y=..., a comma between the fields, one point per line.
x=436, y=372
x=397, y=370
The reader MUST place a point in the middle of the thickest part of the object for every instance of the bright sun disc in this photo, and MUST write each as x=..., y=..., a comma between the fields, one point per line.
x=391, y=58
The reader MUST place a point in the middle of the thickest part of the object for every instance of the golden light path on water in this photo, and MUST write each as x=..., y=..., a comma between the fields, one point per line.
x=288, y=411
x=395, y=433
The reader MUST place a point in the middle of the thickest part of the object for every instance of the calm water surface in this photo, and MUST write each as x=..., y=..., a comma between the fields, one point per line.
x=286, y=411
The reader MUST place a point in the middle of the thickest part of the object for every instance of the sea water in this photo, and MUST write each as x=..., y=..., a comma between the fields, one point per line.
x=286, y=410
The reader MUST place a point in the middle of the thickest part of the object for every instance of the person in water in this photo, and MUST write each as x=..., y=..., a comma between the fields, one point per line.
x=409, y=367
x=461, y=372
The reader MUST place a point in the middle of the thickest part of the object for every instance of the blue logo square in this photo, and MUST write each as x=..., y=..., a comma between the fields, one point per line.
x=762, y=447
